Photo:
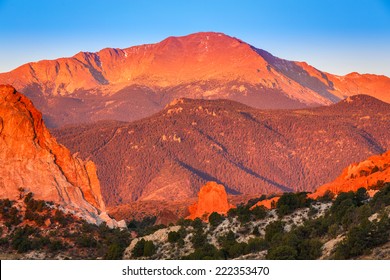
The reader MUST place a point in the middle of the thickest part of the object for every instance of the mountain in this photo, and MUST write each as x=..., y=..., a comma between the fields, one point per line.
x=132, y=83
x=371, y=173
x=170, y=155
x=31, y=160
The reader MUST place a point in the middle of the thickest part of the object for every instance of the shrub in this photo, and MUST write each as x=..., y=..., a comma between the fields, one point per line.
x=114, y=252
x=198, y=239
x=12, y=217
x=56, y=245
x=227, y=240
x=237, y=249
x=382, y=198
x=173, y=236
x=256, y=245
x=363, y=237
x=327, y=197
x=144, y=248
x=86, y=241
x=309, y=249
x=206, y=252
x=215, y=219
x=259, y=212
x=255, y=231
x=375, y=169
x=184, y=222
x=289, y=202
x=283, y=252
x=149, y=249
x=138, y=250
x=20, y=239
x=197, y=224
x=273, y=229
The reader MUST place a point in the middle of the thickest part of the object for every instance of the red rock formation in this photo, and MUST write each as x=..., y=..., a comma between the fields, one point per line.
x=31, y=158
x=212, y=197
x=363, y=174
x=267, y=203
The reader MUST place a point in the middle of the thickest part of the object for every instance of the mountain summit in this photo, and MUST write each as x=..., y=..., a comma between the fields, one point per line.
x=131, y=83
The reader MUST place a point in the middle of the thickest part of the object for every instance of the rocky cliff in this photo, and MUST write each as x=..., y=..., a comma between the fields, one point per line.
x=31, y=159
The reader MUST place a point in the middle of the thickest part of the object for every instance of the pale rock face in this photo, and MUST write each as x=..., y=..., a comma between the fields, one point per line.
x=31, y=158
x=212, y=197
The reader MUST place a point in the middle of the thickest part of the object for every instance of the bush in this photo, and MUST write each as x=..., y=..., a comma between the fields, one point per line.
x=149, y=249
x=198, y=239
x=363, y=237
x=382, y=198
x=255, y=231
x=61, y=218
x=256, y=245
x=227, y=240
x=86, y=241
x=309, y=249
x=206, y=252
x=20, y=240
x=289, y=202
x=197, y=224
x=237, y=249
x=34, y=205
x=215, y=219
x=259, y=212
x=114, y=252
x=56, y=245
x=138, y=250
x=244, y=215
x=12, y=217
x=275, y=228
x=184, y=222
x=327, y=197
x=173, y=236
x=144, y=249
x=282, y=253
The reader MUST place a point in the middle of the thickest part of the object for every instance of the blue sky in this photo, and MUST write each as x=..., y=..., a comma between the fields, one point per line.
x=335, y=36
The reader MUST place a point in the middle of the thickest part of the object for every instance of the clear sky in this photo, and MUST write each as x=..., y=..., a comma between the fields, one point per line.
x=333, y=35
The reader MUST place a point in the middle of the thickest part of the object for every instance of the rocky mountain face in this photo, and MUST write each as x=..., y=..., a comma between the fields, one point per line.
x=170, y=155
x=212, y=197
x=132, y=83
x=371, y=174
x=32, y=160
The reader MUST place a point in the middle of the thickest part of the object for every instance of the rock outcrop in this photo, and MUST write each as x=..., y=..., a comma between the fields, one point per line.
x=31, y=159
x=370, y=173
x=212, y=197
